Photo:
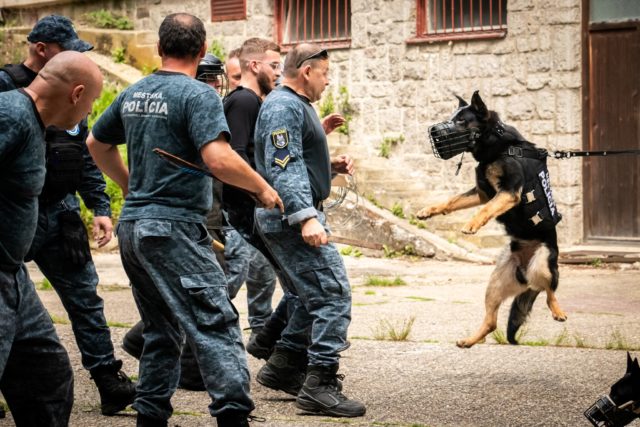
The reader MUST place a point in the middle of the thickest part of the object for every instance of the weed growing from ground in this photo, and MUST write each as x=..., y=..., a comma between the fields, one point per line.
x=388, y=331
x=384, y=281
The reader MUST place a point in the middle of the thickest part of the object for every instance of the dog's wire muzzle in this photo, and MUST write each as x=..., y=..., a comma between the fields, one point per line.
x=605, y=413
x=447, y=140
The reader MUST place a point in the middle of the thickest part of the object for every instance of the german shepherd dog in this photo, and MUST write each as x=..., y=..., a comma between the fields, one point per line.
x=513, y=185
x=622, y=405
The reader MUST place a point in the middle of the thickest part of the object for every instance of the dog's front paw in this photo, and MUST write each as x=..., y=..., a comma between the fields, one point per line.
x=428, y=212
x=470, y=228
x=465, y=343
x=560, y=316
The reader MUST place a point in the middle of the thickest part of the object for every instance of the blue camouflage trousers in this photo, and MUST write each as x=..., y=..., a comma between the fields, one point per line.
x=76, y=286
x=318, y=277
x=180, y=290
x=35, y=374
x=246, y=264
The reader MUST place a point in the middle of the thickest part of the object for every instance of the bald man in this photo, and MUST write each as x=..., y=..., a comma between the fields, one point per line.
x=36, y=376
x=61, y=245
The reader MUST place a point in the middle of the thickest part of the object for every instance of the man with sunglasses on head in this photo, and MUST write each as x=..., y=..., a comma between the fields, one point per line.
x=293, y=156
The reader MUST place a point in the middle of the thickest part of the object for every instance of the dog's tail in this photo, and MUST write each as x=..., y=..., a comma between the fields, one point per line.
x=520, y=310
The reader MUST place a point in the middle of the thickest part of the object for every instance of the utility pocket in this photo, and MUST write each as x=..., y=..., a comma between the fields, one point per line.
x=210, y=303
x=152, y=228
x=326, y=273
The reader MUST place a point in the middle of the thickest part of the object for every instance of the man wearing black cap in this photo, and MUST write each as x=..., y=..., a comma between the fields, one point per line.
x=60, y=246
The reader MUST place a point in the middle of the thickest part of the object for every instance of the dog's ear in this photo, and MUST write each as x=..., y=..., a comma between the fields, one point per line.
x=635, y=367
x=462, y=102
x=478, y=104
x=630, y=362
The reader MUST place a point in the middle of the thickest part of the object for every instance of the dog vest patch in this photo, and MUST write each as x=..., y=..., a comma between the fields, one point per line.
x=280, y=141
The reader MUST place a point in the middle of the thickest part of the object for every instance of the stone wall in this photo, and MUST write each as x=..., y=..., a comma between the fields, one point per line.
x=532, y=78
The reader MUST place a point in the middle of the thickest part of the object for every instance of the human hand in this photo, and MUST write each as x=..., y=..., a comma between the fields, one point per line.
x=342, y=164
x=313, y=233
x=102, y=230
x=269, y=199
x=331, y=122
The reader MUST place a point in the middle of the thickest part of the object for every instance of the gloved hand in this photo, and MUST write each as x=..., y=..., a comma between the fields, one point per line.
x=75, y=241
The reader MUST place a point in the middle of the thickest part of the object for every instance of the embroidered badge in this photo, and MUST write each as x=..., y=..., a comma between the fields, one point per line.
x=282, y=157
x=280, y=138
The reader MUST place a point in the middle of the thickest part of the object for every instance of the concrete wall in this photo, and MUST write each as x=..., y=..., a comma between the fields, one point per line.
x=532, y=78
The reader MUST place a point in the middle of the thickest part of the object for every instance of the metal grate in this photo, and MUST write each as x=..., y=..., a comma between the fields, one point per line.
x=228, y=10
x=452, y=19
x=324, y=22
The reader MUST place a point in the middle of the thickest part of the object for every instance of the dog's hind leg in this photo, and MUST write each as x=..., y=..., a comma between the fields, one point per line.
x=543, y=274
x=502, y=285
x=520, y=309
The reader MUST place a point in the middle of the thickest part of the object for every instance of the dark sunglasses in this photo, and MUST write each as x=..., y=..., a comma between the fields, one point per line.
x=321, y=54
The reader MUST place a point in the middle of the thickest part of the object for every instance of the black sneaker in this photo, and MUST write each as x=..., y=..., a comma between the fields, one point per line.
x=284, y=371
x=322, y=394
x=144, y=421
x=261, y=344
x=116, y=390
x=133, y=341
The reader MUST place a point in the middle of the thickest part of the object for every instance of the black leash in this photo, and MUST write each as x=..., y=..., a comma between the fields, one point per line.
x=569, y=154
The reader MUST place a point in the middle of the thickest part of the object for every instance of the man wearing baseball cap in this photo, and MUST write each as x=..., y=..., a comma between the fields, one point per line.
x=60, y=246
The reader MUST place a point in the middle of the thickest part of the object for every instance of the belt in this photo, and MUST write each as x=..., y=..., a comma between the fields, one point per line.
x=318, y=205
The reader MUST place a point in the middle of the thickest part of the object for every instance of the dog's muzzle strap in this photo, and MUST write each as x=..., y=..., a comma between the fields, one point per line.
x=447, y=140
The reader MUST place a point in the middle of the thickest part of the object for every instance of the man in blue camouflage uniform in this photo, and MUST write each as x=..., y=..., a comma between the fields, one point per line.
x=60, y=247
x=178, y=285
x=36, y=377
x=292, y=154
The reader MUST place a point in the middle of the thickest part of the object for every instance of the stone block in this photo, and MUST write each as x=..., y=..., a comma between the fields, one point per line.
x=538, y=81
x=566, y=48
x=569, y=111
x=545, y=103
x=539, y=62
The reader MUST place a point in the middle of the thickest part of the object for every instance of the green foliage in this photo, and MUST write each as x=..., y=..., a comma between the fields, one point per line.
x=415, y=221
x=618, y=342
x=216, y=48
x=351, y=251
x=408, y=250
x=369, y=292
x=388, y=143
x=423, y=299
x=109, y=93
x=326, y=106
x=338, y=104
x=384, y=282
x=45, y=285
x=146, y=69
x=397, y=210
x=373, y=200
x=105, y=19
x=59, y=320
x=596, y=263
x=112, y=324
x=119, y=55
x=395, y=331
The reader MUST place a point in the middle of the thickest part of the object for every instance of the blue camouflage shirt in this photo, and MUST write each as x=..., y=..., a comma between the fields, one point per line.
x=22, y=172
x=292, y=154
x=178, y=114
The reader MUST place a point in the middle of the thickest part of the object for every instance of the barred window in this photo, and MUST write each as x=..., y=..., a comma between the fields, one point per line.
x=460, y=19
x=228, y=10
x=326, y=22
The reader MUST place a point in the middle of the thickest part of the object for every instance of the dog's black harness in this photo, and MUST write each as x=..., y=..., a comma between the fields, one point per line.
x=537, y=197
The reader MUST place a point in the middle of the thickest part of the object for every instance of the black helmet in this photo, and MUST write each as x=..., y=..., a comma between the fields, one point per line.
x=211, y=71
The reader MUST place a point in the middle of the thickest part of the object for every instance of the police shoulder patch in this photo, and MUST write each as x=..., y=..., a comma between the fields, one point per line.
x=280, y=138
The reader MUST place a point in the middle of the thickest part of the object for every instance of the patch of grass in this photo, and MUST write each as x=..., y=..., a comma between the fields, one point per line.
x=351, y=251
x=596, y=263
x=191, y=413
x=59, y=320
x=133, y=377
x=112, y=324
x=499, y=336
x=45, y=285
x=384, y=281
x=415, y=221
x=407, y=250
x=360, y=337
x=460, y=302
x=4, y=407
x=580, y=341
x=363, y=304
x=119, y=55
x=619, y=342
x=562, y=340
x=394, y=331
x=420, y=298
x=105, y=19
x=397, y=210
x=541, y=342
x=369, y=292
x=148, y=69
x=430, y=341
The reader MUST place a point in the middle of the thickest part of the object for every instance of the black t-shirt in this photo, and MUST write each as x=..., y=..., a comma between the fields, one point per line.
x=241, y=109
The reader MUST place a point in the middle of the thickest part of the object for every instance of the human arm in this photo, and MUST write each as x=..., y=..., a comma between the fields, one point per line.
x=342, y=163
x=108, y=159
x=332, y=122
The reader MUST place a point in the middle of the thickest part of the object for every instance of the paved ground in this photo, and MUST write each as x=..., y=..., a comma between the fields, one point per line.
x=426, y=380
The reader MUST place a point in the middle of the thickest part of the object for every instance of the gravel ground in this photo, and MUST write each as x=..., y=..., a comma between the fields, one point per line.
x=425, y=380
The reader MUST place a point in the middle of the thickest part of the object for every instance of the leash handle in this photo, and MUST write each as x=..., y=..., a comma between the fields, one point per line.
x=559, y=154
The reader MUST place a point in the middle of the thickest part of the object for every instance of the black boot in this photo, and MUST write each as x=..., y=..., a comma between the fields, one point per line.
x=322, y=393
x=284, y=371
x=261, y=344
x=144, y=421
x=233, y=419
x=133, y=341
x=116, y=389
